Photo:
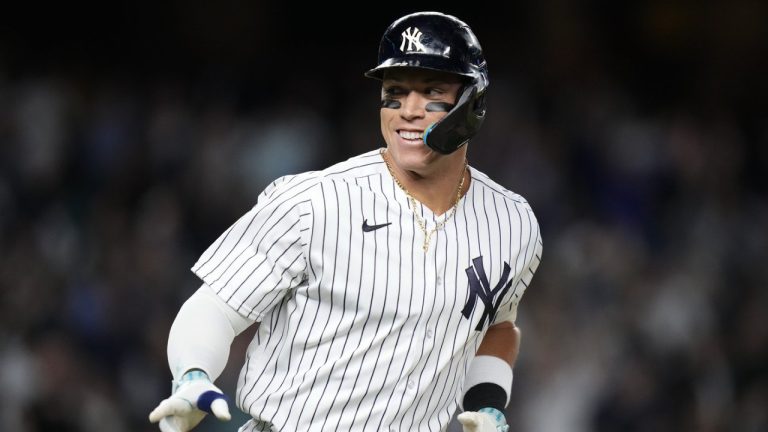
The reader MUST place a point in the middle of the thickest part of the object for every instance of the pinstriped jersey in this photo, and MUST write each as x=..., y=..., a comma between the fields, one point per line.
x=361, y=330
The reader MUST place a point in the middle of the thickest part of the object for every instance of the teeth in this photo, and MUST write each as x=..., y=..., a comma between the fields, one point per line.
x=410, y=135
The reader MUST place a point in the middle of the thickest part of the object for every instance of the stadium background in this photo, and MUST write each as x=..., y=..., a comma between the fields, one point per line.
x=131, y=135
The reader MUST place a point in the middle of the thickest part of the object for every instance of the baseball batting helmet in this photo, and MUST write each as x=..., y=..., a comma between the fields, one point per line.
x=440, y=42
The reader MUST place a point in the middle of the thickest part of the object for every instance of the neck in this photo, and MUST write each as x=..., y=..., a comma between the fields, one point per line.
x=437, y=189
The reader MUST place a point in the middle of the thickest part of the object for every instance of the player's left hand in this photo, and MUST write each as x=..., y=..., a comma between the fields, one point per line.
x=483, y=421
x=193, y=399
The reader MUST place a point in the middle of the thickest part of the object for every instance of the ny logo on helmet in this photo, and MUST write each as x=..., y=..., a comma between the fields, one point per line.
x=413, y=36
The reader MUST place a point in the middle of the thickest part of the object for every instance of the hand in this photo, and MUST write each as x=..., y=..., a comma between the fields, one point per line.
x=193, y=398
x=483, y=421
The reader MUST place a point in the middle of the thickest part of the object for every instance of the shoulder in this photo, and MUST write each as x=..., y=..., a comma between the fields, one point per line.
x=515, y=208
x=306, y=184
x=356, y=167
x=511, y=199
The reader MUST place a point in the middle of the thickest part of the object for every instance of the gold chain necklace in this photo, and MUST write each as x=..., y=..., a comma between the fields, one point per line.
x=421, y=222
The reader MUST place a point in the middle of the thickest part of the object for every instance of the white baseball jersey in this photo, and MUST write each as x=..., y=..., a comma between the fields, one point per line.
x=361, y=330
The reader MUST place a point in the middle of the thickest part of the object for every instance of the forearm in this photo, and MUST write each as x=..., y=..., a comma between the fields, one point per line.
x=489, y=380
x=488, y=383
x=202, y=333
x=502, y=341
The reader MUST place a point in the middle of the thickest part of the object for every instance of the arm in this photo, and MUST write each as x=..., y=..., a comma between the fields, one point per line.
x=202, y=334
x=489, y=379
x=198, y=349
x=501, y=340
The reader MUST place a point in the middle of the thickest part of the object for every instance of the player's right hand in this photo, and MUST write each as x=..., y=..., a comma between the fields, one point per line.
x=194, y=397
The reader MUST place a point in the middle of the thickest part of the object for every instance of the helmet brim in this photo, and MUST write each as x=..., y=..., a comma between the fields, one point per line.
x=427, y=62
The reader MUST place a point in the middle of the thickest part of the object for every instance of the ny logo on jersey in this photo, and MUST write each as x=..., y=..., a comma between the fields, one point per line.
x=414, y=40
x=479, y=287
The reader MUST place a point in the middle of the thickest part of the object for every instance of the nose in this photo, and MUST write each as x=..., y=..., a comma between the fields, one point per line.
x=413, y=106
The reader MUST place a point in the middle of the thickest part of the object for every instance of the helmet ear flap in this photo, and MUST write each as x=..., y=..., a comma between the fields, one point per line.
x=478, y=104
x=460, y=124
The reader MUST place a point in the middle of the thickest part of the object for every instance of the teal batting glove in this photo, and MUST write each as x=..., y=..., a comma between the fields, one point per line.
x=483, y=420
x=194, y=396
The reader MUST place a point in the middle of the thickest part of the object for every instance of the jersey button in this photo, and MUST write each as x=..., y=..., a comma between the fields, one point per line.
x=411, y=384
x=430, y=333
x=439, y=280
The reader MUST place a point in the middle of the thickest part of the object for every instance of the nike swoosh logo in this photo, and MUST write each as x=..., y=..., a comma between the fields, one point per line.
x=369, y=228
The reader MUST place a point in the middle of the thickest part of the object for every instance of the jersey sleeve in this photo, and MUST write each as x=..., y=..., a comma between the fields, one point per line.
x=259, y=259
x=531, y=256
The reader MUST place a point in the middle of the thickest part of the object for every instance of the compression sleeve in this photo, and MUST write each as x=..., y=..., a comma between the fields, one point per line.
x=202, y=333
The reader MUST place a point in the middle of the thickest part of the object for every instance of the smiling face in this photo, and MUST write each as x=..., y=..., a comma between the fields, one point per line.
x=405, y=115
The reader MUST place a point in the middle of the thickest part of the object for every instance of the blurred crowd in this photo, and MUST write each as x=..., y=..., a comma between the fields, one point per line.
x=644, y=156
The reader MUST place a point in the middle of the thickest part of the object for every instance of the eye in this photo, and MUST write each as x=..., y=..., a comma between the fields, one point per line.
x=436, y=91
x=393, y=91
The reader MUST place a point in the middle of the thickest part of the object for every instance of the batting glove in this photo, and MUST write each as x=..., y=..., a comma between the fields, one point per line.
x=194, y=396
x=484, y=420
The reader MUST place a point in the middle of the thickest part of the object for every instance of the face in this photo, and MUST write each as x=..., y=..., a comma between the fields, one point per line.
x=404, y=117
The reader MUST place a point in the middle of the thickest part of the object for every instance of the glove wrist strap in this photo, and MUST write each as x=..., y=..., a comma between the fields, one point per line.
x=189, y=376
x=498, y=417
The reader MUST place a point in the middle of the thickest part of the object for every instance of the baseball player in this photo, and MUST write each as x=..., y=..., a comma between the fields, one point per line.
x=385, y=287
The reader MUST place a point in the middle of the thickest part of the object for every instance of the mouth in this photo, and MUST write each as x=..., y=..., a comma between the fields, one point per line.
x=410, y=135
